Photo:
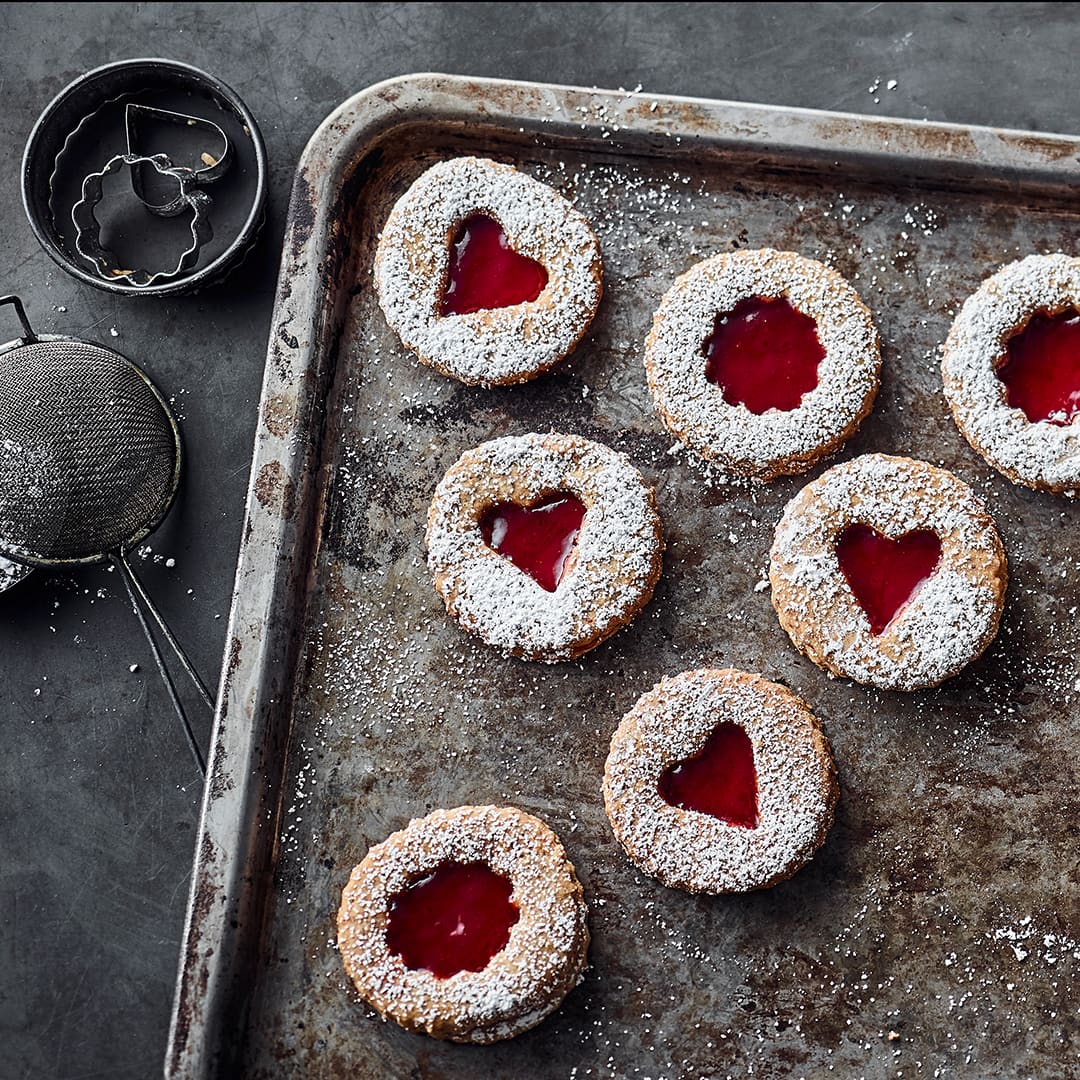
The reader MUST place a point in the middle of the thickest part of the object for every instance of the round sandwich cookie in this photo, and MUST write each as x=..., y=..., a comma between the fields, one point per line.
x=719, y=781
x=487, y=275
x=888, y=571
x=1011, y=366
x=544, y=545
x=468, y=925
x=763, y=362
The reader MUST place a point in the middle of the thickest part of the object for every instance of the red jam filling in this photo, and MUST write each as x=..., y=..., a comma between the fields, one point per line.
x=536, y=539
x=1041, y=372
x=885, y=575
x=486, y=272
x=455, y=919
x=763, y=354
x=720, y=780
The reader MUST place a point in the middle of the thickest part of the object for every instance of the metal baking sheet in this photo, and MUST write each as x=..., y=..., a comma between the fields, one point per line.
x=935, y=932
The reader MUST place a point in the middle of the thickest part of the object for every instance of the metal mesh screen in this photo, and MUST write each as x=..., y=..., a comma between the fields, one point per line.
x=88, y=453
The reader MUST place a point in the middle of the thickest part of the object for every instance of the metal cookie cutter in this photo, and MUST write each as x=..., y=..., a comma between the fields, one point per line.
x=88, y=229
x=215, y=160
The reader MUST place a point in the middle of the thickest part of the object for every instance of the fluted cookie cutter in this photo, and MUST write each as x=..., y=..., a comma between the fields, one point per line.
x=216, y=159
x=88, y=228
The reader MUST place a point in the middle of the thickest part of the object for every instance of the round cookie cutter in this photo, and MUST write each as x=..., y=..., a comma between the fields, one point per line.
x=86, y=124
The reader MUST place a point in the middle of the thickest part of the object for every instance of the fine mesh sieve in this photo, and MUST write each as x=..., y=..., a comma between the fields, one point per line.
x=89, y=466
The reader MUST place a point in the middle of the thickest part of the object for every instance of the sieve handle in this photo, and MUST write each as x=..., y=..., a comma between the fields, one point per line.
x=139, y=598
x=134, y=584
x=28, y=331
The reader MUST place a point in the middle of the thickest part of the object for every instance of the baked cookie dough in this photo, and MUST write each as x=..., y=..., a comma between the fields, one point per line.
x=468, y=925
x=1011, y=366
x=719, y=781
x=888, y=571
x=520, y=565
x=434, y=230
x=763, y=362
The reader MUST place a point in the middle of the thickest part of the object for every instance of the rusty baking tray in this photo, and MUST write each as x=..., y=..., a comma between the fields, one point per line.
x=935, y=932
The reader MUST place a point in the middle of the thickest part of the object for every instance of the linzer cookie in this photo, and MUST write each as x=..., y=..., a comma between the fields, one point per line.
x=762, y=361
x=469, y=925
x=544, y=545
x=487, y=275
x=720, y=781
x=1011, y=366
x=888, y=571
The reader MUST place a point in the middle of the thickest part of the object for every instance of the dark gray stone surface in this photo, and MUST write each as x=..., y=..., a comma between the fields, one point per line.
x=98, y=799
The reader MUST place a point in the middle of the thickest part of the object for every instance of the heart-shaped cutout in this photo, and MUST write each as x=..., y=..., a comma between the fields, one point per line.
x=1041, y=372
x=537, y=539
x=884, y=574
x=196, y=148
x=455, y=919
x=486, y=272
x=763, y=354
x=719, y=780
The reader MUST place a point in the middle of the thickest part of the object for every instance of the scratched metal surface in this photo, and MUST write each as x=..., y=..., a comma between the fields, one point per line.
x=934, y=934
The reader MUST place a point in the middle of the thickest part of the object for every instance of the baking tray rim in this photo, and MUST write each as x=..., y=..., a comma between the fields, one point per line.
x=275, y=554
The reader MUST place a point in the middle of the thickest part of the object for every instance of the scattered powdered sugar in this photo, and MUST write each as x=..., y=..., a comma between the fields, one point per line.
x=1026, y=938
x=698, y=852
x=1041, y=455
x=774, y=442
x=11, y=573
x=611, y=572
x=500, y=345
x=541, y=962
x=950, y=620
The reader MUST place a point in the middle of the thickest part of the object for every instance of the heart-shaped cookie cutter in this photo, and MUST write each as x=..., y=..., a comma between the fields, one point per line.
x=88, y=228
x=215, y=161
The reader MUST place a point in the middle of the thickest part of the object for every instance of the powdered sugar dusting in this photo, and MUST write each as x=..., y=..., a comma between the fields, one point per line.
x=542, y=960
x=610, y=574
x=500, y=345
x=955, y=613
x=698, y=852
x=11, y=573
x=1041, y=455
x=776, y=441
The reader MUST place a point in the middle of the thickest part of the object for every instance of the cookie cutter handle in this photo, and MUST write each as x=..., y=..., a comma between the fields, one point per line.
x=28, y=331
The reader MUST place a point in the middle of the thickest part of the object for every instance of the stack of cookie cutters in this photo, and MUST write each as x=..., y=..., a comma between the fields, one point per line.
x=189, y=194
x=193, y=152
